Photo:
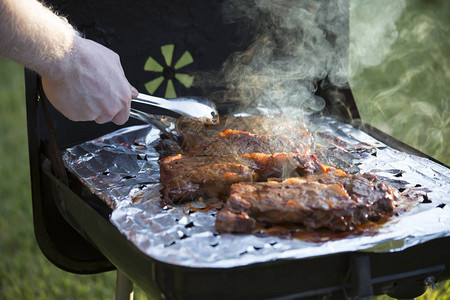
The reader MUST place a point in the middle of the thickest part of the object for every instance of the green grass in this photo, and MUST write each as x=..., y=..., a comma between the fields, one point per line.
x=407, y=95
x=416, y=83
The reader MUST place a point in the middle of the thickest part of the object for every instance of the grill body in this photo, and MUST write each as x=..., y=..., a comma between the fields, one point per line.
x=72, y=226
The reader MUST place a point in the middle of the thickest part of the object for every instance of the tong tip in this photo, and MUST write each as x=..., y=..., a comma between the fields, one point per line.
x=214, y=120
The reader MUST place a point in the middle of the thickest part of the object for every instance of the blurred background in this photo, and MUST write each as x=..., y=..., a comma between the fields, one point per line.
x=403, y=89
x=400, y=70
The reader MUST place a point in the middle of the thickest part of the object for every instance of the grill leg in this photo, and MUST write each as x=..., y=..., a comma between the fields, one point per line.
x=124, y=287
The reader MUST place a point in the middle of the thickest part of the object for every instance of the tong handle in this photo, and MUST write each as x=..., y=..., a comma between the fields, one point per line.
x=152, y=101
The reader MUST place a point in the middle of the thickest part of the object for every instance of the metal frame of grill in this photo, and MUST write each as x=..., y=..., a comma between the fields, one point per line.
x=73, y=231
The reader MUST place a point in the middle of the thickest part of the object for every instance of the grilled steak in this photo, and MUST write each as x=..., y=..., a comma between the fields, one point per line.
x=284, y=165
x=194, y=132
x=378, y=195
x=238, y=142
x=332, y=200
x=186, y=178
x=246, y=161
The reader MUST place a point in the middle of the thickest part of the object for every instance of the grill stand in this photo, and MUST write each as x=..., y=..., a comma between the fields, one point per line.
x=360, y=274
x=124, y=287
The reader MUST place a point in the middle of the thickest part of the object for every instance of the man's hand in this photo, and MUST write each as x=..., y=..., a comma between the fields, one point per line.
x=90, y=85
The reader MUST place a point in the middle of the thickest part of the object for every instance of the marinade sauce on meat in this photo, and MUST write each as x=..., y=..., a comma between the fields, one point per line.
x=333, y=200
x=263, y=170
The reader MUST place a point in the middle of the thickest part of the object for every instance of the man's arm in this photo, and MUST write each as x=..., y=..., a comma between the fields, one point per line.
x=82, y=79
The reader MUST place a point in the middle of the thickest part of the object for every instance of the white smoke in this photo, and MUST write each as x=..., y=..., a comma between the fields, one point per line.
x=295, y=45
x=373, y=31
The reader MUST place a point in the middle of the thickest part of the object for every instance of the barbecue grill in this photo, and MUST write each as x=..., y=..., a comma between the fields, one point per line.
x=73, y=226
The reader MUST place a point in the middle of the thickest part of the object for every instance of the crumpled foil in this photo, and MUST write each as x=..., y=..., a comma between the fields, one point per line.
x=122, y=169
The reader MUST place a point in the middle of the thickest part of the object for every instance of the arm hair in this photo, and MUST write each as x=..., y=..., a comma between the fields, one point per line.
x=35, y=37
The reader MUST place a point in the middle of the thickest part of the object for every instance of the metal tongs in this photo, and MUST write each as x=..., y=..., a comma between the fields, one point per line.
x=196, y=108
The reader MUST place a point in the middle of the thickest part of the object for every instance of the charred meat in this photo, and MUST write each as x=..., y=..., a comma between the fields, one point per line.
x=378, y=195
x=186, y=178
x=194, y=132
x=262, y=167
x=238, y=142
x=332, y=200
x=284, y=165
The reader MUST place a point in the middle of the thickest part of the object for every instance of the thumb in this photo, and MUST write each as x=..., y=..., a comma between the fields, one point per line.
x=134, y=91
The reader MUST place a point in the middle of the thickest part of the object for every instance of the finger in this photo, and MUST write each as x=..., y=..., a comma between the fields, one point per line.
x=102, y=120
x=122, y=116
x=134, y=91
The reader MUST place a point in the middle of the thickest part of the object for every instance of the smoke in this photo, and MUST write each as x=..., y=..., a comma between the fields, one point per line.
x=400, y=66
x=373, y=31
x=294, y=45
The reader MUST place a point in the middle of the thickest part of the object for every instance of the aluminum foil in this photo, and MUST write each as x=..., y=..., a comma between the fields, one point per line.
x=122, y=169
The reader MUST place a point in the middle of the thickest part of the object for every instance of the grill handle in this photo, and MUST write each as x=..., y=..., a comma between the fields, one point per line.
x=55, y=156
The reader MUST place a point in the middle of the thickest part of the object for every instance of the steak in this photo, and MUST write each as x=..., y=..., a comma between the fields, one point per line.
x=186, y=178
x=262, y=168
x=378, y=195
x=284, y=165
x=332, y=200
x=238, y=142
x=193, y=132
